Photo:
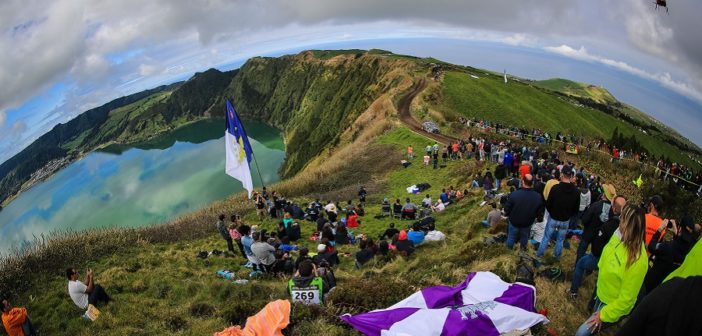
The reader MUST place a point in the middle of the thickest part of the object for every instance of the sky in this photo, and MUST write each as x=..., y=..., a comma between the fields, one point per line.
x=62, y=57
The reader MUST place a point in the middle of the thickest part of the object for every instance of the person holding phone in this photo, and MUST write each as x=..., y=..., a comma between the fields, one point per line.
x=623, y=265
x=86, y=293
x=669, y=255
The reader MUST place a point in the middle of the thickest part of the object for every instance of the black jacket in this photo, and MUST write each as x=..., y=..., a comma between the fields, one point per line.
x=604, y=233
x=523, y=206
x=563, y=201
x=673, y=309
x=500, y=172
x=593, y=218
x=667, y=256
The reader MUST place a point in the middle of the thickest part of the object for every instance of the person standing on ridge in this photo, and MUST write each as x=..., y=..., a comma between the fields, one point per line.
x=522, y=208
x=362, y=195
x=410, y=153
x=563, y=202
x=653, y=220
x=224, y=232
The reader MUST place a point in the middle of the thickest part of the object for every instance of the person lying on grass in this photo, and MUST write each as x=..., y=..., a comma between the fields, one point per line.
x=86, y=293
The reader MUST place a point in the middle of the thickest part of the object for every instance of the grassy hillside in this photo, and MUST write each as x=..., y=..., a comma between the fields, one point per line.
x=596, y=93
x=178, y=293
x=175, y=292
x=521, y=104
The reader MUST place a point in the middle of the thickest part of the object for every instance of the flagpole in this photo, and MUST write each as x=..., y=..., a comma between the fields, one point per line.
x=257, y=168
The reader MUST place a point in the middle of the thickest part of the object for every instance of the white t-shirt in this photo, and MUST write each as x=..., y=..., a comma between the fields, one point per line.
x=76, y=290
x=331, y=207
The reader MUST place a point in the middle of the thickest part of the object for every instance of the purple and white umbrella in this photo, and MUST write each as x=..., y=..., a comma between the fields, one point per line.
x=481, y=305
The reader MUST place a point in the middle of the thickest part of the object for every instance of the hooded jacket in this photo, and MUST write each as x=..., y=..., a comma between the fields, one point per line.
x=618, y=285
x=403, y=244
x=563, y=201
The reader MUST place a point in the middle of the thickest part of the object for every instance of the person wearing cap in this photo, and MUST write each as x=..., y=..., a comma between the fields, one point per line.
x=562, y=204
x=669, y=255
x=324, y=256
x=653, y=220
x=594, y=216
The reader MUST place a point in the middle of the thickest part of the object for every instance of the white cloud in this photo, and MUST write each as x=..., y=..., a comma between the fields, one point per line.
x=148, y=69
x=3, y=116
x=664, y=78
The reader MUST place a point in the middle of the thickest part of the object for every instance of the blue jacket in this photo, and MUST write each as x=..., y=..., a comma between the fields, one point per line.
x=247, y=241
x=416, y=237
x=522, y=207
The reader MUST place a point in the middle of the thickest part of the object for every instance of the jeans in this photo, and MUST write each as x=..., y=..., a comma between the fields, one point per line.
x=28, y=328
x=584, y=329
x=586, y=263
x=498, y=184
x=97, y=295
x=514, y=232
x=551, y=226
x=582, y=249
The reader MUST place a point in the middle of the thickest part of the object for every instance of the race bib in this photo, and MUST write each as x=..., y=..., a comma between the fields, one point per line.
x=308, y=295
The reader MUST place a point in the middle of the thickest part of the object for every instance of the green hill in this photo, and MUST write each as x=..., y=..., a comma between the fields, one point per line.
x=596, y=93
x=519, y=103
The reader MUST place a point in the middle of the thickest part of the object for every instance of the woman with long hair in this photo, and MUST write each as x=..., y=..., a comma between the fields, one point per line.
x=623, y=266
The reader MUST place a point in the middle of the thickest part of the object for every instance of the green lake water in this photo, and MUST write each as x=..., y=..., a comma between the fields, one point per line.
x=139, y=185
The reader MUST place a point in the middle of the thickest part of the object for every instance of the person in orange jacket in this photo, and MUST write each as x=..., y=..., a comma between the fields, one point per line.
x=16, y=321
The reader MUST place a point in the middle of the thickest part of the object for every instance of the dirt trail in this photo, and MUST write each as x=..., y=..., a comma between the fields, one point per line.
x=414, y=125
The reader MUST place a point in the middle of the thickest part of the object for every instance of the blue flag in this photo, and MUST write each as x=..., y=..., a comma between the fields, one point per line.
x=238, y=150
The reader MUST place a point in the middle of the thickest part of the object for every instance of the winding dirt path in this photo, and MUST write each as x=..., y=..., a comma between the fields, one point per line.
x=414, y=125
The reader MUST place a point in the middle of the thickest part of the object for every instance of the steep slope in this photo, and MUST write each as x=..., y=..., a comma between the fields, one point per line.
x=313, y=99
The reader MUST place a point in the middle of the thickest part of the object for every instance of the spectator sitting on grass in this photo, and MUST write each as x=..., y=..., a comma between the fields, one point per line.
x=416, y=235
x=364, y=254
x=264, y=252
x=390, y=232
x=403, y=245
x=439, y=206
x=493, y=216
x=323, y=255
x=86, y=293
x=397, y=208
x=427, y=201
x=16, y=320
x=304, y=255
x=306, y=277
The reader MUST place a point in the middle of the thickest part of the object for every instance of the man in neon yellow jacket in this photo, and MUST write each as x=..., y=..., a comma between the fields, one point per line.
x=623, y=266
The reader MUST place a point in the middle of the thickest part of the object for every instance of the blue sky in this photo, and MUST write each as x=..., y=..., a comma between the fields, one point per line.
x=71, y=55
